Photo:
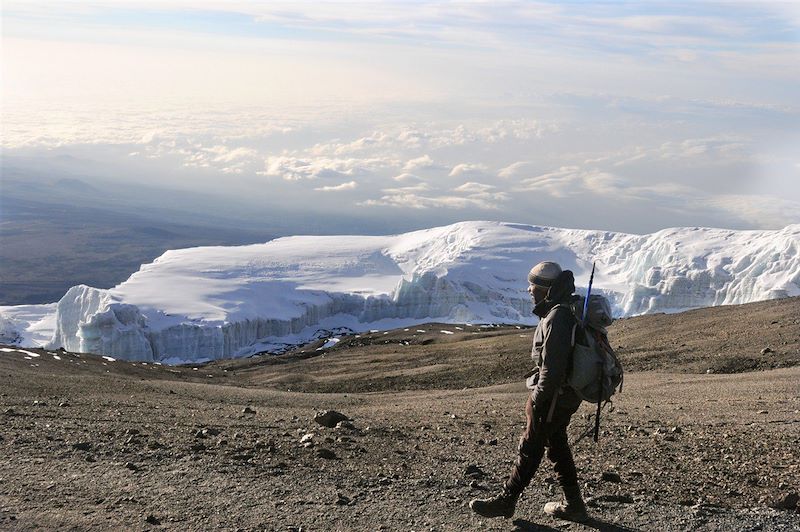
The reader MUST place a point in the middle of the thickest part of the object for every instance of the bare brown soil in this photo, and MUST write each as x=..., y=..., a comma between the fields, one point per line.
x=90, y=444
x=728, y=339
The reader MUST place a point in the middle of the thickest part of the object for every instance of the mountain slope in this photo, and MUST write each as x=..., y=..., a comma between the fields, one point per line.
x=433, y=425
x=217, y=302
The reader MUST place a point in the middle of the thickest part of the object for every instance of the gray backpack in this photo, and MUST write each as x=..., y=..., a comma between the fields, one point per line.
x=596, y=372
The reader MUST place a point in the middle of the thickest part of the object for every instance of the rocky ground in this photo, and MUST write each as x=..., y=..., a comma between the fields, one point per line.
x=89, y=443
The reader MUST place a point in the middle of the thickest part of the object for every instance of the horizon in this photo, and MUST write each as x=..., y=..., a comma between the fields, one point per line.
x=387, y=116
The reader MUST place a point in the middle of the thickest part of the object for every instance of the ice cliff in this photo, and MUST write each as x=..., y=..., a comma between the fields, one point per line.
x=215, y=302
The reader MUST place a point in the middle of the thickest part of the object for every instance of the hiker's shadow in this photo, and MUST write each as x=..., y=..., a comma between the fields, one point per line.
x=522, y=525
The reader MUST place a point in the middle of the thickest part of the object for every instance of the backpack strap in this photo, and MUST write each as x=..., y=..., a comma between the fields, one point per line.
x=569, y=365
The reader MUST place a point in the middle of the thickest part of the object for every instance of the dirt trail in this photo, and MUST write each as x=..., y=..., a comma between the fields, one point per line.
x=91, y=444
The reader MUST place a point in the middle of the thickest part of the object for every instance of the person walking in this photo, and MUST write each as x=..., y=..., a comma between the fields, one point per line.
x=550, y=405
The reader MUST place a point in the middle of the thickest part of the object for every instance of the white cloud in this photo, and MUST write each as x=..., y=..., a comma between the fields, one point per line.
x=715, y=148
x=414, y=201
x=495, y=132
x=763, y=211
x=571, y=181
x=372, y=142
x=472, y=195
x=472, y=187
x=468, y=169
x=559, y=183
x=228, y=160
x=518, y=169
x=575, y=93
x=350, y=185
x=419, y=163
x=686, y=201
x=419, y=187
x=412, y=137
x=293, y=168
x=226, y=154
x=405, y=177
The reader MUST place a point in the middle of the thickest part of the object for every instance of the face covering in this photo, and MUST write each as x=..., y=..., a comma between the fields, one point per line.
x=534, y=292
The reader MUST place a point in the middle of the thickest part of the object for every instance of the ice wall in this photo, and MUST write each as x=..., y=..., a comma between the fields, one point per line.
x=677, y=269
x=215, y=302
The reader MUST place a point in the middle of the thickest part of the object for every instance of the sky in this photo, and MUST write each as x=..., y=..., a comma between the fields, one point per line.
x=622, y=116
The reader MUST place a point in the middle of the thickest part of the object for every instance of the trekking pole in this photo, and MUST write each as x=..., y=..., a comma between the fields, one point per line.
x=599, y=407
x=588, y=429
x=602, y=376
x=585, y=317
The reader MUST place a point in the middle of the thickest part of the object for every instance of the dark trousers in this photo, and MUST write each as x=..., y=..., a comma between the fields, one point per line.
x=540, y=434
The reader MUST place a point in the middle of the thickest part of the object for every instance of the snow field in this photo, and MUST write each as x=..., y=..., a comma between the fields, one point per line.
x=205, y=303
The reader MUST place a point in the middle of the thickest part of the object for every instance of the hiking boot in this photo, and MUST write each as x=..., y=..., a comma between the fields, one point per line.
x=571, y=509
x=501, y=505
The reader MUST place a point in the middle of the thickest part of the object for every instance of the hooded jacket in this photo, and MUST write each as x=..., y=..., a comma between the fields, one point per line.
x=552, y=346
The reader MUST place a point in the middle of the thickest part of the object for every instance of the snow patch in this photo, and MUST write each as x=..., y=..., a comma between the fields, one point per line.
x=330, y=343
x=27, y=325
x=28, y=353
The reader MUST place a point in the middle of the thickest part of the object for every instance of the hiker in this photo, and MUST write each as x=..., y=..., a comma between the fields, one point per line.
x=550, y=406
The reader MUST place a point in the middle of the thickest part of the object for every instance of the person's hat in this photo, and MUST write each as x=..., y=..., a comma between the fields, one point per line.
x=544, y=274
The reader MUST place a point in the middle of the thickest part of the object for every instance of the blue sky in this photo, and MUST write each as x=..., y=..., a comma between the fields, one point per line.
x=646, y=114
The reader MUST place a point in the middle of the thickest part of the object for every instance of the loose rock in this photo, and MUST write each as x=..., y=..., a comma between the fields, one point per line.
x=329, y=418
x=327, y=454
x=474, y=472
x=788, y=501
x=206, y=433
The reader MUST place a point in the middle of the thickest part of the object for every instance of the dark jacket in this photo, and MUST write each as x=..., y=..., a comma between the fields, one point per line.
x=552, y=347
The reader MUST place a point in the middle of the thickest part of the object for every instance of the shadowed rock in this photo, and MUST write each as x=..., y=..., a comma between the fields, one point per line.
x=329, y=418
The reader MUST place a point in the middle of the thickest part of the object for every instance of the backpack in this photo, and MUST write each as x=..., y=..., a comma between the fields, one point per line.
x=595, y=372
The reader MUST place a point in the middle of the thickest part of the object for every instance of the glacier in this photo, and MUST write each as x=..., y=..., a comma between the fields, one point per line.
x=214, y=302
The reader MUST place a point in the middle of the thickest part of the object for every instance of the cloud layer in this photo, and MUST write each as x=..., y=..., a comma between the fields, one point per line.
x=620, y=116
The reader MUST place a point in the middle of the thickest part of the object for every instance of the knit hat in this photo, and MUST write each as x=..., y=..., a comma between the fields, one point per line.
x=544, y=274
